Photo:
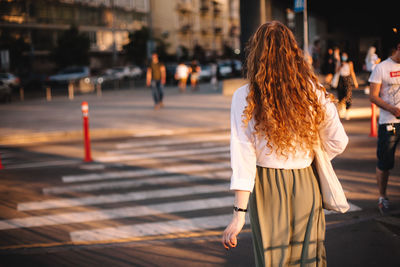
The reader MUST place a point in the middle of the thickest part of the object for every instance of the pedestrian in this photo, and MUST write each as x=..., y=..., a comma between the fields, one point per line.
x=276, y=120
x=182, y=74
x=214, y=75
x=371, y=60
x=194, y=74
x=347, y=80
x=315, y=51
x=329, y=67
x=155, y=77
x=385, y=93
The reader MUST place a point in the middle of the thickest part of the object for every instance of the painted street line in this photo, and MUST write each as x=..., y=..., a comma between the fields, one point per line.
x=173, y=141
x=147, y=172
x=156, y=228
x=162, y=154
x=109, y=214
x=117, y=198
x=42, y=164
x=158, y=149
x=223, y=175
x=151, y=229
x=224, y=155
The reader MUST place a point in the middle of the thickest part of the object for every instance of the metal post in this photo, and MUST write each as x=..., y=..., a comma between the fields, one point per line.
x=71, y=90
x=48, y=93
x=85, y=114
x=98, y=89
x=305, y=21
x=21, y=93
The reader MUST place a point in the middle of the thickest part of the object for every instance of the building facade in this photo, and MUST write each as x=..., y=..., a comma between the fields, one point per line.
x=107, y=23
x=184, y=24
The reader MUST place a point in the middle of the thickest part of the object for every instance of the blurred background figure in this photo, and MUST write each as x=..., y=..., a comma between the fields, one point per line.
x=194, y=74
x=371, y=59
x=156, y=77
x=347, y=79
x=182, y=74
x=214, y=75
x=315, y=51
x=329, y=67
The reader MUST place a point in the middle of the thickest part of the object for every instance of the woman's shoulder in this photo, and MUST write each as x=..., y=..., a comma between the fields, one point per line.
x=241, y=92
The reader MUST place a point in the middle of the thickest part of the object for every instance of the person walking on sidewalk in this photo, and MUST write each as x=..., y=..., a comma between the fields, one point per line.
x=276, y=120
x=347, y=79
x=181, y=74
x=385, y=93
x=155, y=77
x=194, y=75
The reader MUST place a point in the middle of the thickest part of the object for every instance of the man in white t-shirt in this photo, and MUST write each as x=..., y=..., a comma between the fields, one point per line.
x=385, y=93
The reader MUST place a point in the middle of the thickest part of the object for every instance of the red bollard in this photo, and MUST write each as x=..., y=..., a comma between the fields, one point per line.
x=1, y=166
x=85, y=114
x=373, y=132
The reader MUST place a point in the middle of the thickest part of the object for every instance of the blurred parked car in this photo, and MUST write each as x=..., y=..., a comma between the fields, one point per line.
x=224, y=68
x=205, y=73
x=70, y=74
x=10, y=79
x=5, y=92
x=135, y=72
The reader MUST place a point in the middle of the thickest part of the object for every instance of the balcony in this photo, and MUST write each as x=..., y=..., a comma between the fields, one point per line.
x=185, y=29
x=217, y=30
x=204, y=9
x=184, y=7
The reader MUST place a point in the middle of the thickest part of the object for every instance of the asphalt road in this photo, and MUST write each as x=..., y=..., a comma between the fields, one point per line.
x=164, y=201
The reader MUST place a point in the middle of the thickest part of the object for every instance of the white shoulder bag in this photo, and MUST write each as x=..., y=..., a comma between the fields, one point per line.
x=333, y=197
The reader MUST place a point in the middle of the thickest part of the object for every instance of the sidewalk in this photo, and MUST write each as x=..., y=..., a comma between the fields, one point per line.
x=125, y=112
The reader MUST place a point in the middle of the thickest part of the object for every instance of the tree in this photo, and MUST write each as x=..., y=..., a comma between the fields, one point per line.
x=72, y=49
x=16, y=48
x=136, y=49
x=199, y=53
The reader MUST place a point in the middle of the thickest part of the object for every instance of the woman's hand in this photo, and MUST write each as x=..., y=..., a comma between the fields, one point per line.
x=229, y=237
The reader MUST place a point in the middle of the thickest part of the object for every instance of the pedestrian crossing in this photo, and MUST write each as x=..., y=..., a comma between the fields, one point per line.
x=138, y=200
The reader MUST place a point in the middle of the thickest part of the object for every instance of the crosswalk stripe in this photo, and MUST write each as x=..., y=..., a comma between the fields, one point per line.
x=147, y=161
x=147, y=172
x=42, y=164
x=224, y=175
x=173, y=142
x=161, y=154
x=117, y=198
x=108, y=214
x=155, y=228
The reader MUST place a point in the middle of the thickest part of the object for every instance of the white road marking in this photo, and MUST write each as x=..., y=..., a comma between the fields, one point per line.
x=173, y=141
x=162, y=154
x=224, y=175
x=108, y=214
x=156, y=228
x=43, y=164
x=147, y=172
x=117, y=198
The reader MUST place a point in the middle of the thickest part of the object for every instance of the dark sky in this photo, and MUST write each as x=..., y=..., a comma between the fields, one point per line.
x=356, y=16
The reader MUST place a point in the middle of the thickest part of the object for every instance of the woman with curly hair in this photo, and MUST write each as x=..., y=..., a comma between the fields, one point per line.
x=276, y=120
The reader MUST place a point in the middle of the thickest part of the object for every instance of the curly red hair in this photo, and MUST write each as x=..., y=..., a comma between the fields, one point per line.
x=282, y=95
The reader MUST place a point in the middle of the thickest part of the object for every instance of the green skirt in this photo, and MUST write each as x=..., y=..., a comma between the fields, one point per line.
x=287, y=218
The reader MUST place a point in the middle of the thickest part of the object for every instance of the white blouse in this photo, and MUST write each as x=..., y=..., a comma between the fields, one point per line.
x=249, y=151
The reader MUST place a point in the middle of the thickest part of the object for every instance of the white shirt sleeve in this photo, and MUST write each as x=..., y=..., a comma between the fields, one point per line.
x=333, y=136
x=376, y=75
x=243, y=151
